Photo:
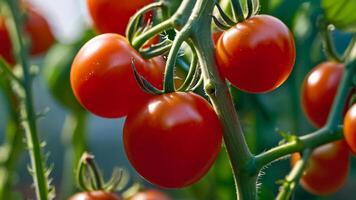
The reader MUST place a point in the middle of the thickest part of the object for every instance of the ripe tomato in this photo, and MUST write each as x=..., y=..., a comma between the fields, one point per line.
x=319, y=90
x=150, y=195
x=5, y=41
x=350, y=128
x=173, y=139
x=257, y=55
x=95, y=195
x=103, y=80
x=327, y=168
x=39, y=32
x=215, y=37
x=37, y=29
x=112, y=16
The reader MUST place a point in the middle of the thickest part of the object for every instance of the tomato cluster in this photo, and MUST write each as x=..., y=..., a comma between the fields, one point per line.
x=38, y=30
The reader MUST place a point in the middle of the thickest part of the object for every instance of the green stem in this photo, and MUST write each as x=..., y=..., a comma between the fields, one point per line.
x=237, y=10
x=6, y=69
x=27, y=107
x=74, y=139
x=292, y=179
x=218, y=92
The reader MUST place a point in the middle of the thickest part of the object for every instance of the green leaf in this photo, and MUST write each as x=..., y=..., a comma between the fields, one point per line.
x=341, y=13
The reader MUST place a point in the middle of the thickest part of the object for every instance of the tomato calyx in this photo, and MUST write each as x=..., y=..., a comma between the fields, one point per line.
x=89, y=176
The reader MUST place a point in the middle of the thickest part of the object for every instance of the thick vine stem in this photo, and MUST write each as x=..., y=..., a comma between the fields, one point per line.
x=27, y=106
x=217, y=90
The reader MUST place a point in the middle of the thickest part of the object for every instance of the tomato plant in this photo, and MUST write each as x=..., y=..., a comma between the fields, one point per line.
x=173, y=139
x=319, y=90
x=257, y=55
x=327, y=169
x=102, y=77
x=112, y=16
x=150, y=194
x=95, y=195
x=350, y=128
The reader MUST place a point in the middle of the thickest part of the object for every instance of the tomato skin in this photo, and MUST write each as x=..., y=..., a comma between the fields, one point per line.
x=350, y=128
x=95, y=195
x=318, y=91
x=5, y=41
x=103, y=80
x=112, y=16
x=256, y=55
x=327, y=168
x=173, y=139
x=39, y=32
x=150, y=195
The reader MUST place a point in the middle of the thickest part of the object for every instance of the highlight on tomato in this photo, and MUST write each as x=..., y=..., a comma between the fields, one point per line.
x=327, y=168
x=103, y=80
x=350, y=128
x=173, y=139
x=319, y=89
x=256, y=55
x=112, y=16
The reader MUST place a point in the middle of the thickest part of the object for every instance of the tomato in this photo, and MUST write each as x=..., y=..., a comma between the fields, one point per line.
x=173, y=139
x=5, y=41
x=215, y=37
x=95, y=195
x=319, y=90
x=327, y=168
x=38, y=31
x=112, y=16
x=103, y=80
x=150, y=195
x=256, y=55
x=350, y=128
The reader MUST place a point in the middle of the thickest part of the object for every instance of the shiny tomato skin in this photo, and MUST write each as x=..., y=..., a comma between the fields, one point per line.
x=173, y=139
x=38, y=31
x=327, y=168
x=112, y=16
x=350, y=128
x=5, y=43
x=256, y=55
x=95, y=195
x=318, y=91
x=150, y=194
x=102, y=77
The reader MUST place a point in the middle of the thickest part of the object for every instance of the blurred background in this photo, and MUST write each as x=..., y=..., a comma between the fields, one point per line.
x=263, y=116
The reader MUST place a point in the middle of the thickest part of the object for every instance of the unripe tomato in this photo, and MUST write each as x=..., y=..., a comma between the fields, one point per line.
x=327, y=168
x=103, y=80
x=256, y=55
x=112, y=16
x=319, y=90
x=57, y=65
x=5, y=43
x=95, y=195
x=173, y=139
x=150, y=195
x=39, y=32
x=350, y=128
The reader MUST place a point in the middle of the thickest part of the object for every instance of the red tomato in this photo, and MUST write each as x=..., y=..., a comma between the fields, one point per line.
x=39, y=32
x=37, y=29
x=216, y=36
x=150, y=195
x=350, y=128
x=103, y=80
x=5, y=43
x=173, y=139
x=112, y=16
x=319, y=90
x=95, y=195
x=257, y=55
x=327, y=169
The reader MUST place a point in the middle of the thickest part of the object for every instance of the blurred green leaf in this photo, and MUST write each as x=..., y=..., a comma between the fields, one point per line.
x=341, y=13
